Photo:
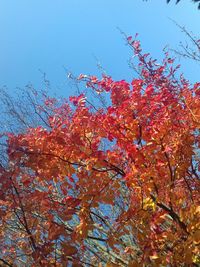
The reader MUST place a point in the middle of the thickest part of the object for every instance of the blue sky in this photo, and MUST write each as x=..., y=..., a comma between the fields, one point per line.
x=47, y=35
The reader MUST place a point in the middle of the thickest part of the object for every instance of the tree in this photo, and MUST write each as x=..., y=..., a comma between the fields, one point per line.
x=177, y=1
x=191, y=48
x=111, y=186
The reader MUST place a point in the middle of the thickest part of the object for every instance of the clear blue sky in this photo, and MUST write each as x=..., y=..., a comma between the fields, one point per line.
x=49, y=34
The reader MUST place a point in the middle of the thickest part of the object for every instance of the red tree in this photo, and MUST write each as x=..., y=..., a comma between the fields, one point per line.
x=112, y=186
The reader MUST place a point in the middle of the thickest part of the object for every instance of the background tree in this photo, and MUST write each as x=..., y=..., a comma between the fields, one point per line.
x=110, y=186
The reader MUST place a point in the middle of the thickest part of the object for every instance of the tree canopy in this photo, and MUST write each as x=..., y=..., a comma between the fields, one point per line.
x=109, y=185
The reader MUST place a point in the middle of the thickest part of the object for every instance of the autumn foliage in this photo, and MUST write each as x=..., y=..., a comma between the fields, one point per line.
x=115, y=185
